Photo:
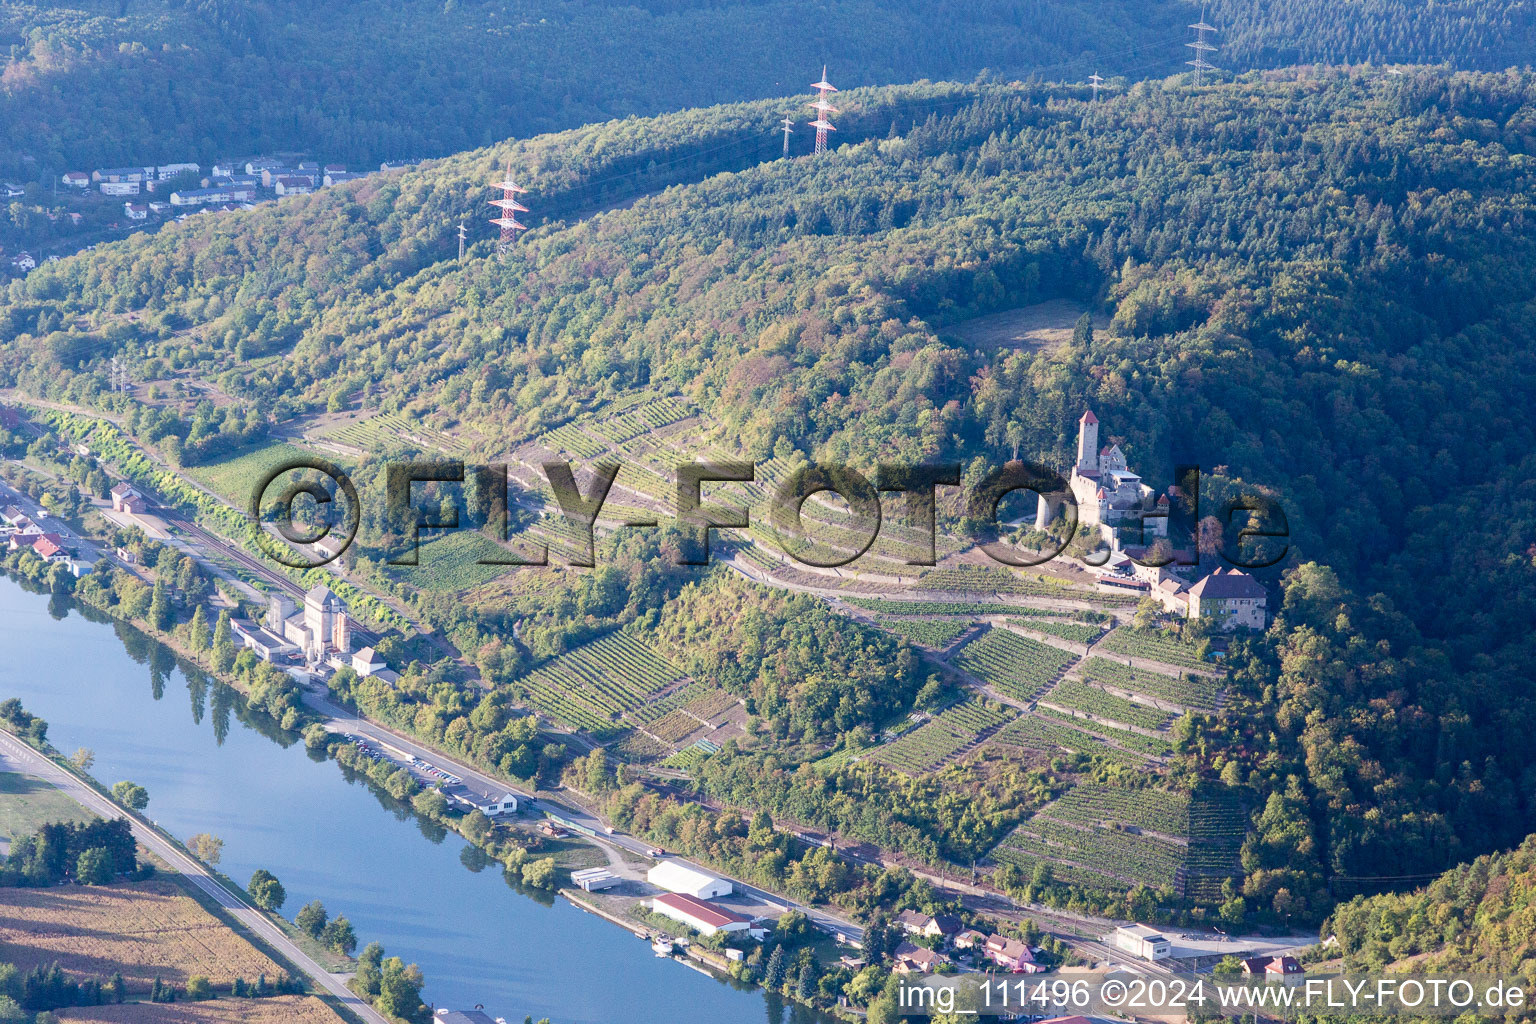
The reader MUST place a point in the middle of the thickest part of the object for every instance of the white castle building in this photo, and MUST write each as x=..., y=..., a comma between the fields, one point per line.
x=1107, y=493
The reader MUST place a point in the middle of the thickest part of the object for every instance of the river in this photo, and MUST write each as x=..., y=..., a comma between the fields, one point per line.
x=210, y=767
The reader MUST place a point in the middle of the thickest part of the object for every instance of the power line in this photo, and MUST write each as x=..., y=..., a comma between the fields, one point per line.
x=789, y=126
x=823, y=108
x=509, y=208
x=1095, y=82
x=1201, y=47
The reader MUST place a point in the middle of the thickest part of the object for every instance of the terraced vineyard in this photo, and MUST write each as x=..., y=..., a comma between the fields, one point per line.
x=935, y=742
x=568, y=438
x=1139, y=643
x=1034, y=732
x=1153, y=746
x=1003, y=581
x=936, y=633
x=884, y=607
x=1070, y=832
x=389, y=430
x=690, y=755
x=1081, y=697
x=1016, y=666
x=1217, y=828
x=642, y=419
x=1198, y=692
x=594, y=685
x=1077, y=632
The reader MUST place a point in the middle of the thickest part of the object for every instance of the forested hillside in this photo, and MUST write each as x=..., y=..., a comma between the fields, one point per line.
x=111, y=82
x=1313, y=285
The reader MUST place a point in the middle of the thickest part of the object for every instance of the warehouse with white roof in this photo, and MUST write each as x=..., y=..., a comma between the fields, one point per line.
x=675, y=877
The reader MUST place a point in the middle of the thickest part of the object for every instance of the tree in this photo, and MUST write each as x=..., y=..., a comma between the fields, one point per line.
x=83, y=759
x=130, y=795
x=94, y=867
x=198, y=634
x=773, y=974
x=400, y=989
x=475, y=826
x=340, y=936
x=311, y=918
x=266, y=890
x=540, y=874
x=199, y=988
x=805, y=985
x=160, y=615
x=223, y=643
x=206, y=847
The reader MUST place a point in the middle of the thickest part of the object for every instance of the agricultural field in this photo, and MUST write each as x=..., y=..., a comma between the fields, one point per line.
x=690, y=756
x=451, y=562
x=146, y=930
x=1077, y=632
x=1218, y=825
x=1154, y=746
x=235, y=477
x=26, y=804
x=272, y=1010
x=935, y=742
x=938, y=633
x=1002, y=581
x=1159, y=810
x=1078, y=696
x=1141, y=643
x=592, y=686
x=1037, y=732
x=969, y=608
x=1017, y=666
x=389, y=431
x=642, y=419
x=1197, y=692
x=571, y=439
x=1071, y=835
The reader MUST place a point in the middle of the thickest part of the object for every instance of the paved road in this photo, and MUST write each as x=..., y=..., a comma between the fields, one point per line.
x=28, y=760
x=345, y=722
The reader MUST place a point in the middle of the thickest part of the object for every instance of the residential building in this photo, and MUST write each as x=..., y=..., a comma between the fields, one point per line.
x=1231, y=598
x=126, y=499
x=76, y=179
x=1139, y=940
x=215, y=194
x=1010, y=954
x=698, y=915
x=293, y=185
x=914, y=923
x=23, y=262
x=119, y=188
x=11, y=515
x=337, y=177
x=475, y=1016
x=119, y=175
x=491, y=807
x=261, y=165
x=165, y=172
x=970, y=939
x=910, y=959
x=368, y=661
x=136, y=211
x=222, y=168
x=680, y=878
x=159, y=208
x=1273, y=965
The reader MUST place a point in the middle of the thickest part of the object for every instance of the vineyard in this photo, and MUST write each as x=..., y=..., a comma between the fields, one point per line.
x=1082, y=697
x=935, y=742
x=1153, y=746
x=1016, y=666
x=1079, y=831
x=1035, y=732
x=1196, y=692
x=1217, y=828
x=1140, y=643
x=1077, y=632
x=391, y=430
x=690, y=756
x=928, y=632
x=1002, y=581
x=642, y=419
x=594, y=685
x=570, y=439
x=885, y=607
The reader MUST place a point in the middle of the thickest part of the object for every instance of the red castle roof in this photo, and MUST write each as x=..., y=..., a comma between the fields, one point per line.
x=1089, y=417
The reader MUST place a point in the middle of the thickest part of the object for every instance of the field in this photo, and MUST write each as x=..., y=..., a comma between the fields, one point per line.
x=146, y=930
x=388, y=431
x=274, y=1010
x=930, y=633
x=1016, y=666
x=1196, y=692
x=1138, y=643
x=27, y=803
x=594, y=685
x=236, y=477
x=1098, y=829
x=1082, y=697
x=1043, y=325
x=1077, y=632
x=935, y=742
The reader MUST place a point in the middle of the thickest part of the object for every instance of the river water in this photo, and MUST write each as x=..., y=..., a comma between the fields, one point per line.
x=210, y=767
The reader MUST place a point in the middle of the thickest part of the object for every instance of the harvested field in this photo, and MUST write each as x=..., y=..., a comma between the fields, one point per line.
x=1044, y=325
x=145, y=930
x=276, y=1010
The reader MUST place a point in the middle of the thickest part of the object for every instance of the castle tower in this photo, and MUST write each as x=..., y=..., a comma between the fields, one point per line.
x=1088, y=444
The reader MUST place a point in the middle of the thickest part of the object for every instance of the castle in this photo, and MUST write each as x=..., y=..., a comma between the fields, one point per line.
x=1108, y=495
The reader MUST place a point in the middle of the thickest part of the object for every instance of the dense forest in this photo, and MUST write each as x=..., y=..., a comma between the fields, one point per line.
x=1315, y=285
x=89, y=83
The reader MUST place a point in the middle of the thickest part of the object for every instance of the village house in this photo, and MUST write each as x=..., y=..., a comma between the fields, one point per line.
x=698, y=915
x=914, y=923
x=970, y=939
x=1231, y=598
x=491, y=807
x=120, y=175
x=136, y=211
x=1273, y=965
x=23, y=262
x=1011, y=954
x=165, y=172
x=126, y=499
x=76, y=179
x=910, y=959
x=293, y=185
x=120, y=188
